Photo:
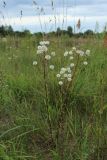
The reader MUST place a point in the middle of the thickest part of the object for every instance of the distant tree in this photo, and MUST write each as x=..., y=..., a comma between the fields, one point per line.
x=2, y=31
x=88, y=32
x=26, y=32
x=70, y=31
x=8, y=30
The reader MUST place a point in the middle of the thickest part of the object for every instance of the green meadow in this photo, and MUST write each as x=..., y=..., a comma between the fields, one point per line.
x=33, y=126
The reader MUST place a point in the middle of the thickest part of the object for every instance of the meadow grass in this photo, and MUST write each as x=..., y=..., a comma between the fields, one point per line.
x=24, y=129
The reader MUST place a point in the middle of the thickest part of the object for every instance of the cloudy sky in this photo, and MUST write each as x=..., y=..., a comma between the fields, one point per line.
x=47, y=15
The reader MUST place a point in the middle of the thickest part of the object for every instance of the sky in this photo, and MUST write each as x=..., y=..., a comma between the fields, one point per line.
x=47, y=15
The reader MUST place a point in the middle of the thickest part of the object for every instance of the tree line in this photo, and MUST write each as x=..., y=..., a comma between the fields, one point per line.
x=8, y=30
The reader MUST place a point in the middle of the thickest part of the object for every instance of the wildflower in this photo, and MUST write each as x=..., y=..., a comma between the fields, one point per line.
x=41, y=43
x=35, y=63
x=44, y=48
x=74, y=48
x=69, y=79
x=72, y=65
x=63, y=69
x=58, y=75
x=39, y=47
x=87, y=52
x=68, y=69
x=47, y=57
x=66, y=54
x=53, y=54
x=71, y=58
x=69, y=75
x=81, y=53
x=60, y=83
x=51, y=67
x=62, y=72
x=65, y=75
x=85, y=63
x=39, y=51
x=70, y=53
x=47, y=42
x=44, y=43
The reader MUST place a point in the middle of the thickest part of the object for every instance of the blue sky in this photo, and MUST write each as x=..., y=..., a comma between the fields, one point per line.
x=92, y=13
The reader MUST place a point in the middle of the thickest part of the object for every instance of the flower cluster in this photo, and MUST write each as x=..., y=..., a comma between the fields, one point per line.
x=42, y=49
x=66, y=73
x=76, y=51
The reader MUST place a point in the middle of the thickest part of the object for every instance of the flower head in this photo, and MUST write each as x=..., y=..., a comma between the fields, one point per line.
x=68, y=69
x=60, y=83
x=74, y=48
x=81, y=53
x=51, y=67
x=70, y=53
x=71, y=58
x=35, y=63
x=72, y=65
x=85, y=63
x=58, y=75
x=69, y=79
x=44, y=43
x=87, y=52
x=66, y=54
x=53, y=54
x=47, y=57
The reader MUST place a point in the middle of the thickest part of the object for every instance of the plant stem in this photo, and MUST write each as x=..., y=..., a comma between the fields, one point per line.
x=46, y=97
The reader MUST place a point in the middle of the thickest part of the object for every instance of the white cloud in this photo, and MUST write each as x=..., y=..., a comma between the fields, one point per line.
x=88, y=11
x=47, y=25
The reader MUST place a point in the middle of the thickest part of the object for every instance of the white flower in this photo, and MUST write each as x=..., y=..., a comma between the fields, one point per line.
x=68, y=69
x=69, y=79
x=69, y=75
x=44, y=48
x=87, y=52
x=39, y=51
x=72, y=65
x=41, y=43
x=58, y=75
x=53, y=54
x=66, y=54
x=85, y=62
x=39, y=47
x=44, y=43
x=63, y=69
x=47, y=57
x=74, y=48
x=35, y=63
x=62, y=72
x=51, y=67
x=47, y=42
x=60, y=83
x=65, y=75
x=71, y=58
x=70, y=53
x=81, y=53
